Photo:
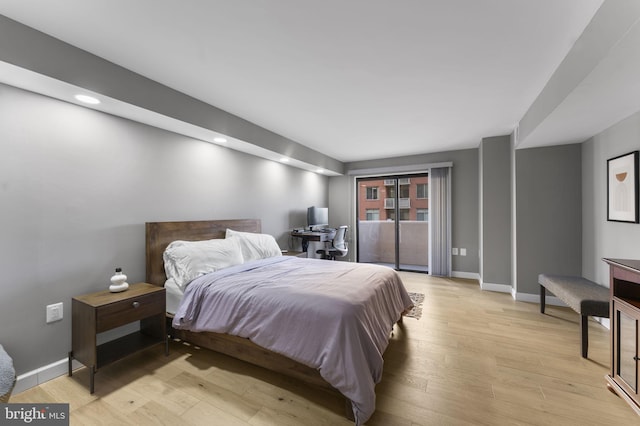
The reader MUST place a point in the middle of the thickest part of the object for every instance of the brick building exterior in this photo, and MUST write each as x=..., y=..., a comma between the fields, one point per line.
x=376, y=199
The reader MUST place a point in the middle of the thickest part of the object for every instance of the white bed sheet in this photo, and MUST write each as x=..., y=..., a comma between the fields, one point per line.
x=174, y=296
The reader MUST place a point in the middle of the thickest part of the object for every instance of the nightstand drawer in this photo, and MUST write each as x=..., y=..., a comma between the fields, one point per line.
x=126, y=311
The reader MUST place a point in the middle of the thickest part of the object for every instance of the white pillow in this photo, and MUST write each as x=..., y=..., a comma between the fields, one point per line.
x=186, y=260
x=255, y=246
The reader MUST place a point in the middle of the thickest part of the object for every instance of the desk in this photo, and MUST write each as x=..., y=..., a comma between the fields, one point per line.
x=312, y=236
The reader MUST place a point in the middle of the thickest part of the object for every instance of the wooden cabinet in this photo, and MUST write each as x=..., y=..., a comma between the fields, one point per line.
x=95, y=313
x=625, y=336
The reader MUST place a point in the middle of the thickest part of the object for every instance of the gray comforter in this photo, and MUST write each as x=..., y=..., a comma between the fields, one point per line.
x=333, y=316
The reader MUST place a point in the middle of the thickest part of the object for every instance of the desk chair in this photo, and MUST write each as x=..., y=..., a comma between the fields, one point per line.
x=338, y=245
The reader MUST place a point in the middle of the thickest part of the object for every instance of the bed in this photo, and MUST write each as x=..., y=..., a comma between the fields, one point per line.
x=254, y=306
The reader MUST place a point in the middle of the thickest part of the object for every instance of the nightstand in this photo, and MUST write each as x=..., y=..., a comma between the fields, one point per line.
x=98, y=312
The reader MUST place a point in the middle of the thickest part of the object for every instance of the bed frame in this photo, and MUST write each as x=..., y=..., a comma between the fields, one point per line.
x=158, y=236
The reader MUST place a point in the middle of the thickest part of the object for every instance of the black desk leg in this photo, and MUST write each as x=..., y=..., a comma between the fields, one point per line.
x=92, y=372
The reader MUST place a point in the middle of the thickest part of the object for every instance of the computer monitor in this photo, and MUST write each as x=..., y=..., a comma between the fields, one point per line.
x=317, y=217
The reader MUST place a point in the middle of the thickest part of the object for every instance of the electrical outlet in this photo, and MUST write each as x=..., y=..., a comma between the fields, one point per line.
x=54, y=312
x=454, y=251
x=463, y=252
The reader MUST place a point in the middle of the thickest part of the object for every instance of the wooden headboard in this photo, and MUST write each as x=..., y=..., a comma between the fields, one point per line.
x=160, y=234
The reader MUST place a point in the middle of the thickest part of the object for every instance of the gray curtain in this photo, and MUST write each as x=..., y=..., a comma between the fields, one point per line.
x=440, y=212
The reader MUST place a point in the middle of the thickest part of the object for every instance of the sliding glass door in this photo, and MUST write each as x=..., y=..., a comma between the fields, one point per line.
x=393, y=221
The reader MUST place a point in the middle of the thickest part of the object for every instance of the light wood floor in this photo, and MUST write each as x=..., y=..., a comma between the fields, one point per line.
x=474, y=358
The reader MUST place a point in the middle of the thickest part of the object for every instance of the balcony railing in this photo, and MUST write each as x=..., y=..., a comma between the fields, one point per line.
x=376, y=242
x=404, y=203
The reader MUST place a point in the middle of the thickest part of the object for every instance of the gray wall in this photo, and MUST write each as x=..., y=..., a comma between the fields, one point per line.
x=340, y=195
x=33, y=50
x=548, y=213
x=76, y=187
x=465, y=203
x=600, y=237
x=495, y=207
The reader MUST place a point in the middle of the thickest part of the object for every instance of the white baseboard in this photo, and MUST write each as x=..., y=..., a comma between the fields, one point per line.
x=41, y=375
x=499, y=288
x=521, y=297
x=466, y=275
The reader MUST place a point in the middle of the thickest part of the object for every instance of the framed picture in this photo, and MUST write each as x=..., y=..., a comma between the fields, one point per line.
x=622, y=188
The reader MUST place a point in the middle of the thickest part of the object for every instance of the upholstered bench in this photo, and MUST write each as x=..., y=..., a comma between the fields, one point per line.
x=583, y=296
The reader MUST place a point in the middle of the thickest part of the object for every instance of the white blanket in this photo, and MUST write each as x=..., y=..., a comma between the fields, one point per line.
x=333, y=316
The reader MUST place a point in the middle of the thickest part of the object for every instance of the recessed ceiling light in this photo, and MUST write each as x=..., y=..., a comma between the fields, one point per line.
x=284, y=160
x=320, y=171
x=219, y=140
x=87, y=99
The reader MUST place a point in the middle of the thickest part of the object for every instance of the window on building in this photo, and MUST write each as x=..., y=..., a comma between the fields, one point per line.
x=423, y=190
x=422, y=215
x=391, y=192
x=403, y=191
x=404, y=214
x=373, y=214
x=372, y=192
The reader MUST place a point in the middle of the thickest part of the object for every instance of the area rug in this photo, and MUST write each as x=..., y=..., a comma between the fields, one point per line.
x=417, y=299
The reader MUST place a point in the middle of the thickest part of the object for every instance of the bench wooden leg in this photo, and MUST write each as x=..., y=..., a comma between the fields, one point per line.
x=584, y=342
x=542, y=298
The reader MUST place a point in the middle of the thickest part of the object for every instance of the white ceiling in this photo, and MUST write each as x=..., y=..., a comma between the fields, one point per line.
x=355, y=80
